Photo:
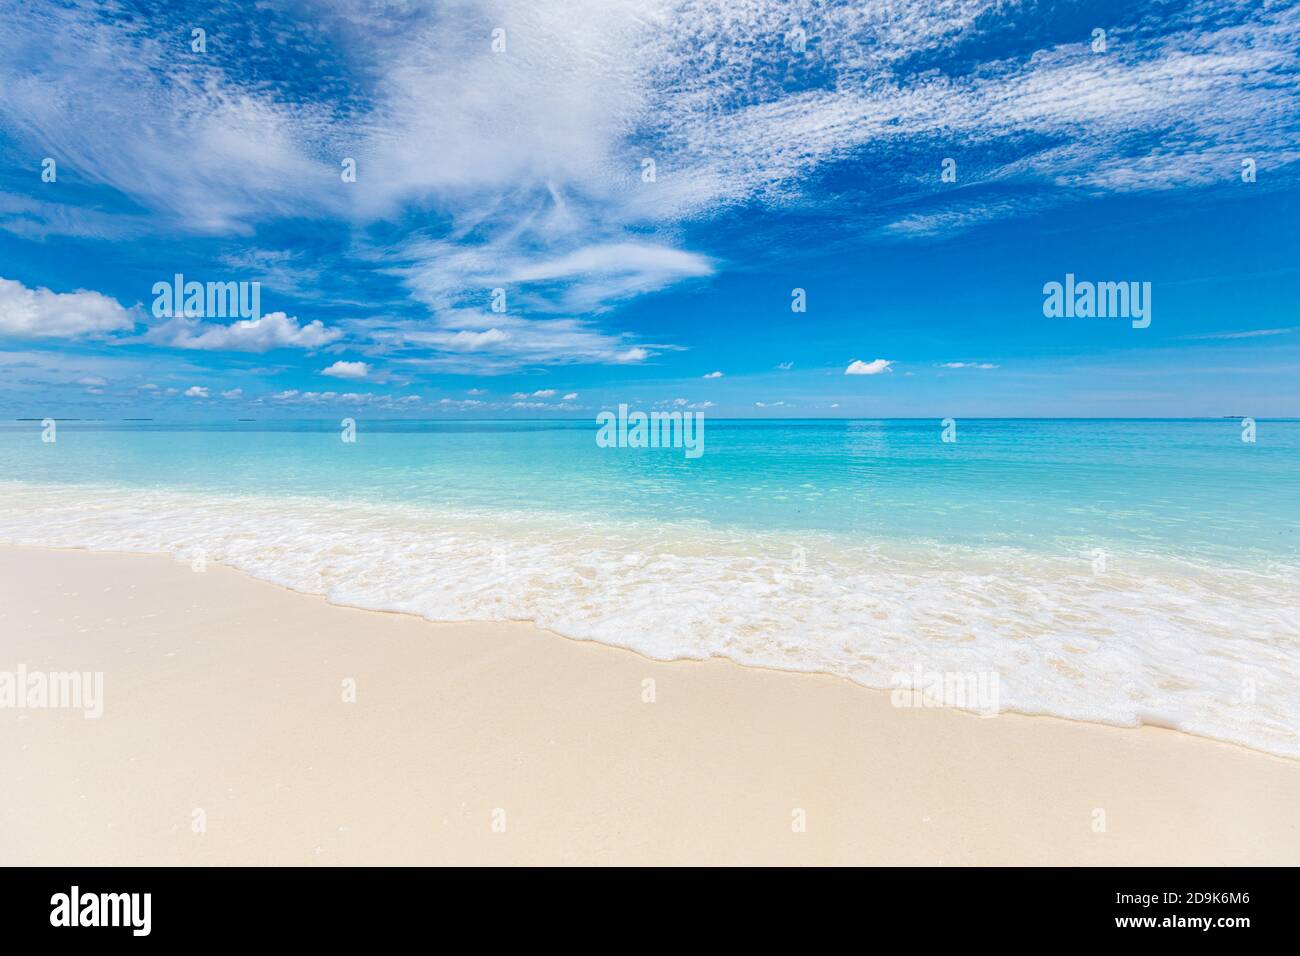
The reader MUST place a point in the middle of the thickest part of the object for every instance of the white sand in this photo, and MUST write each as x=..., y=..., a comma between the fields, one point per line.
x=224, y=694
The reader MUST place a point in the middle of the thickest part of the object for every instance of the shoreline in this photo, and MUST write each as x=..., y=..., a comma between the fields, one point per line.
x=524, y=622
x=222, y=694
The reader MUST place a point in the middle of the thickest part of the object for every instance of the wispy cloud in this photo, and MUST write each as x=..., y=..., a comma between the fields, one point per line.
x=574, y=171
x=548, y=138
x=1248, y=334
x=473, y=342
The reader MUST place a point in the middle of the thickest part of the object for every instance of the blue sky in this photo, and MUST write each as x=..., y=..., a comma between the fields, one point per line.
x=795, y=145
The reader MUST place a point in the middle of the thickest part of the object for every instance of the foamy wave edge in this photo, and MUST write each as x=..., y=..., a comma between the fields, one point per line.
x=1208, y=651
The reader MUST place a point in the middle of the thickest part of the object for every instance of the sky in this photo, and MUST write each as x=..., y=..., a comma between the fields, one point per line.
x=477, y=209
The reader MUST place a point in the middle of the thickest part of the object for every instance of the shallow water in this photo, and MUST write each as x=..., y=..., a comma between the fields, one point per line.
x=1121, y=571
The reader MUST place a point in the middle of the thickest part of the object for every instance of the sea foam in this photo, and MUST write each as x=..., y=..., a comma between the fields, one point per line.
x=1210, y=651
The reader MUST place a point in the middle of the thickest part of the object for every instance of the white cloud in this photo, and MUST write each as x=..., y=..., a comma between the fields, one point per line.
x=858, y=367
x=295, y=397
x=272, y=331
x=549, y=137
x=571, y=396
x=533, y=158
x=473, y=342
x=786, y=366
x=684, y=403
x=233, y=393
x=455, y=281
x=713, y=375
x=196, y=391
x=968, y=365
x=1248, y=334
x=354, y=370
x=596, y=275
x=118, y=106
x=39, y=313
x=285, y=271
x=465, y=341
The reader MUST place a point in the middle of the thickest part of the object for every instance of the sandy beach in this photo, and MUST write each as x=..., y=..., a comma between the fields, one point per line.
x=229, y=736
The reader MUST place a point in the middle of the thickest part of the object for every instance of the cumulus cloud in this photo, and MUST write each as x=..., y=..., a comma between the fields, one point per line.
x=272, y=331
x=39, y=313
x=713, y=375
x=293, y=396
x=233, y=393
x=196, y=391
x=967, y=365
x=875, y=367
x=460, y=404
x=354, y=370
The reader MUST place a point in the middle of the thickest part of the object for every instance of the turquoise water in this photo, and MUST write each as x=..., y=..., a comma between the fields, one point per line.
x=1120, y=571
x=1187, y=488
